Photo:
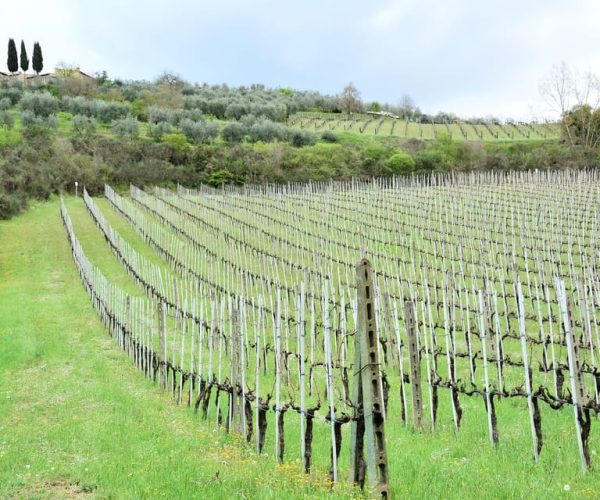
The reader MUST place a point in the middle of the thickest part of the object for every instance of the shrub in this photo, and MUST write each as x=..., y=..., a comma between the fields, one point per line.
x=236, y=110
x=177, y=141
x=83, y=126
x=127, y=127
x=5, y=103
x=401, y=163
x=248, y=120
x=39, y=103
x=328, y=136
x=13, y=93
x=6, y=119
x=158, y=130
x=52, y=121
x=107, y=112
x=234, y=132
x=195, y=115
x=300, y=138
x=157, y=115
x=11, y=204
x=199, y=132
x=267, y=131
x=217, y=108
x=78, y=105
x=195, y=102
x=30, y=120
x=218, y=178
x=430, y=159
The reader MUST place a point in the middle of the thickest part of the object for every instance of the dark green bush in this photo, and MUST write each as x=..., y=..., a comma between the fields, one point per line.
x=300, y=138
x=328, y=136
x=401, y=163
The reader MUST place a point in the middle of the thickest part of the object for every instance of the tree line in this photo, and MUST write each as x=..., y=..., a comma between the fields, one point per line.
x=14, y=60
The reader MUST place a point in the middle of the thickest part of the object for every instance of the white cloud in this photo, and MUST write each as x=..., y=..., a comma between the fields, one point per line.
x=391, y=15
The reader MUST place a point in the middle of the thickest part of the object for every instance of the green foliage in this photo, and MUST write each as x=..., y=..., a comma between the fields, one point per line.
x=13, y=92
x=320, y=162
x=138, y=110
x=9, y=138
x=5, y=104
x=581, y=126
x=300, y=138
x=158, y=130
x=375, y=106
x=83, y=126
x=218, y=178
x=24, y=59
x=12, y=61
x=39, y=103
x=401, y=163
x=157, y=114
x=328, y=136
x=37, y=60
x=234, y=132
x=126, y=128
x=103, y=111
x=31, y=120
x=430, y=159
x=267, y=131
x=7, y=119
x=199, y=132
x=177, y=141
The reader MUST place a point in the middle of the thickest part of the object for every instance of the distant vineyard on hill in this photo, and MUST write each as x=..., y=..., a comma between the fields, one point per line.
x=385, y=125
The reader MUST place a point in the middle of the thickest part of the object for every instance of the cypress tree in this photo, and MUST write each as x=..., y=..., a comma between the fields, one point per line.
x=24, y=58
x=37, y=61
x=13, y=60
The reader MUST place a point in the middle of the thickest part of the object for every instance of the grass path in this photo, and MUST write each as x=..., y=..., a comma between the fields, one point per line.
x=76, y=418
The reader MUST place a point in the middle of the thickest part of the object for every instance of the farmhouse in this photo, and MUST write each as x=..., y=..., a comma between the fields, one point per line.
x=45, y=78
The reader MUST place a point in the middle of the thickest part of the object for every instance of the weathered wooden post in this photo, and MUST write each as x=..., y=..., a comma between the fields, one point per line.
x=415, y=364
x=162, y=340
x=368, y=433
x=237, y=403
x=577, y=387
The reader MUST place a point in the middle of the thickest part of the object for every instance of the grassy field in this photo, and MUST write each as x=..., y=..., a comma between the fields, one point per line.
x=77, y=419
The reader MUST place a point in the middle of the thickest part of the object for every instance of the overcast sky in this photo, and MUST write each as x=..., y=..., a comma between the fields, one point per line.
x=470, y=57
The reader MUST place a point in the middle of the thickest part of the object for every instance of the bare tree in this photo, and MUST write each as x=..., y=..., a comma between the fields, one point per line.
x=576, y=97
x=350, y=99
x=407, y=106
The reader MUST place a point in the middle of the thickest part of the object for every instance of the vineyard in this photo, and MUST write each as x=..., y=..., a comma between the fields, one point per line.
x=463, y=130
x=480, y=292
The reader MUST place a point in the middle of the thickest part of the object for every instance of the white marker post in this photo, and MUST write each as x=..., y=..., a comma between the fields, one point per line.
x=76, y=185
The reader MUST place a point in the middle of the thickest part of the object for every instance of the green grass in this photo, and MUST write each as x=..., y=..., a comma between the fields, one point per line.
x=76, y=417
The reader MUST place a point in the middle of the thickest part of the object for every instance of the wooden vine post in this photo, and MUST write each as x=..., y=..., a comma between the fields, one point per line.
x=415, y=364
x=368, y=433
x=237, y=403
x=578, y=394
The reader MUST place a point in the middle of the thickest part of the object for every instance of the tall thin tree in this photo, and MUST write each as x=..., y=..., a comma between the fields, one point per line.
x=24, y=58
x=13, y=60
x=37, y=60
